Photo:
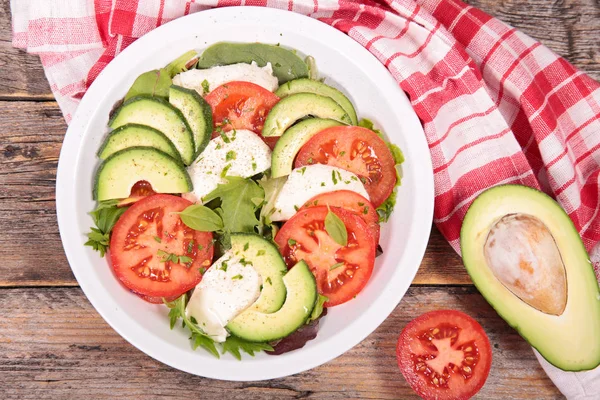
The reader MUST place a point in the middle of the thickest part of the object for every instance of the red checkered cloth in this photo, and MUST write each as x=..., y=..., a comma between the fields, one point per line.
x=497, y=106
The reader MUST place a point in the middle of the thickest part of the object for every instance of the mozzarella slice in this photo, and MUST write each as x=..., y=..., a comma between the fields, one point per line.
x=242, y=153
x=217, y=76
x=226, y=289
x=306, y=182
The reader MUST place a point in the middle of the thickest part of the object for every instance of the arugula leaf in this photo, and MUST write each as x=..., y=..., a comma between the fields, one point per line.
x=387, y=207
x=104, y=216
x=182, y=63
x=336, y=229
x=271, y=187
x=154, y=83
x=318, y=310
x=201, y=218
x=238, y=203
x=198, y=337
x=234, y=344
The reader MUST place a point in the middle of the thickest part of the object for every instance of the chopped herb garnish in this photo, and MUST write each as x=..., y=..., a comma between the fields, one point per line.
x=315, y=202
x=310, y=160
x=296, y=207
x=363, y=180
x=336, y=265
x=322, y=183
x=202, y=270
x=303, y=170
x=231, y=155
x=291, y=242
x=218, y=146
x=260, y=253
x=269, y=280
x=334, y=178
x=205, y=87
x=246, y=246
x=224, y=136
x=200, y=247
x=238, y=276
x=185, y=259
x=159, y=240
x=254, y=166
x=354, y=178
x=360, y=204
x=342, y=153
x=190, y=246
x=366, y=210
x=224, y=172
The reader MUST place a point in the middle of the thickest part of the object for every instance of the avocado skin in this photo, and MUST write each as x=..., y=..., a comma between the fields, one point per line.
x=556, y=338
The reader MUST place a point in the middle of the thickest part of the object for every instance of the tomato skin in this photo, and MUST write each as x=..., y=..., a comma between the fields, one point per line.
x=241, y=105
x=351, y=201
x=303, y=237
x=147, y=227
x=155, y=300
x=469, y=333
x=354, y=149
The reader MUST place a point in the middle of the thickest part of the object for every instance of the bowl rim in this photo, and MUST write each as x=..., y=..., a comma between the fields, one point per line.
x=373, y=315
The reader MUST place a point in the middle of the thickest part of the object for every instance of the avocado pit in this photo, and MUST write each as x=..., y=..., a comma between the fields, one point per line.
x=523, y=256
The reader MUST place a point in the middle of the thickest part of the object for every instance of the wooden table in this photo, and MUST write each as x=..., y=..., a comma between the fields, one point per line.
x=54, y=345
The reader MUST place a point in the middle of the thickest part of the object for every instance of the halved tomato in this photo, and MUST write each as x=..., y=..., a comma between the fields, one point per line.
x=354, y=149
x=154, y=253
x=241, y=105
x=341, y=271
x=351, y=201
x=444, y=355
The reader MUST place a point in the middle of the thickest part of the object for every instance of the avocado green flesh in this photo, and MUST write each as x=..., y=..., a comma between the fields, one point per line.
x=292, y=140
x=301, y=298
x=296, y=106
x=119, y=172
x=317, y=87
x=135, y=135
x=197, y=113
x=266, y=260
x=569, y=341
x=158, y=114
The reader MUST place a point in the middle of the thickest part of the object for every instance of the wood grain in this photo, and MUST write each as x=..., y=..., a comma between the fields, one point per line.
x=31, y=135
x=569, y=27
x=65, y=350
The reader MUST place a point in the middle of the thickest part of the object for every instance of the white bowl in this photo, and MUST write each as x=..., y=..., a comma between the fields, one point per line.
x=345, y=64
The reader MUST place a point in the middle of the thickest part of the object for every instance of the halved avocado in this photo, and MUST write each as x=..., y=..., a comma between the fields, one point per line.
x=119, y=172
x=528, y=261
x=296, y=106
x=158, y=114
x=197, y=113
x=264, y=257
x=255, y=326
x=318, y=87
x=289, y=144
x=135, y=135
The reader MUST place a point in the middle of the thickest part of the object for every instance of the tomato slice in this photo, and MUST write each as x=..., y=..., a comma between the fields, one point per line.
x=143, y=239
x=351, y=201
x=341, y=271
x=444, y=355
x=155, y=300
x=241, y=105
x=354, y=149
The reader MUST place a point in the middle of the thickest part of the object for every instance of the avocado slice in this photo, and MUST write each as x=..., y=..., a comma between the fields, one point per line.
x=197, y=113
x=296, y=106
x=289, y=144
x=318, y=87
x=264, y=257
x=135, y=135
x=528, y=261
x=120, y=171
x=255, y=326
x=161, y=115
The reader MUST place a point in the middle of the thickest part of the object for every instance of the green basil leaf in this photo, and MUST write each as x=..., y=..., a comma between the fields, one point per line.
x=201, y=218
x=182, y=63
x=336, y=229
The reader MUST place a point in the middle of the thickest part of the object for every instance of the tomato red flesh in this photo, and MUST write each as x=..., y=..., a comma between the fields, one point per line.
x=351, y=201
x=341, y=272
x=153, y=253
x=354, y=149
x=241, y=105
x=444, y=355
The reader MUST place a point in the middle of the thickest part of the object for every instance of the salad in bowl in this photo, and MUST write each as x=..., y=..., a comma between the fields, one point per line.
x=244, y=193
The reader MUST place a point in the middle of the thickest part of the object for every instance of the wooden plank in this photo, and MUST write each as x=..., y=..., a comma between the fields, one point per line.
x=54, y=345
x=21, y=74
x=569, y=28
x=31, y=134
